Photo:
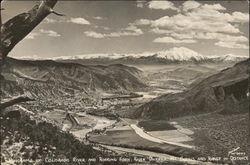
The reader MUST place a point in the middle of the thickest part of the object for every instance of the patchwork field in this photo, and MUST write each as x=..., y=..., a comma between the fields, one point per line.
x=155, y=125
x=58, y=116
x=172, y=136
x=128, y=138
x=85, y=122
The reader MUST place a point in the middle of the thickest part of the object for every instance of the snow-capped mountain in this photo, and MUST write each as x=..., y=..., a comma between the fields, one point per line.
x=181, y=54
x=228, y=58
x=173, y=55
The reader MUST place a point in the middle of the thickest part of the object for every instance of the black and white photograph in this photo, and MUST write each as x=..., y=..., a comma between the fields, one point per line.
x=124, y=82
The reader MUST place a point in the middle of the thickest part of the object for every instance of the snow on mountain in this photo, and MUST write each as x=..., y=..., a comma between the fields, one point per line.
x=228, y=58
x=181, y=54
x=174, y=54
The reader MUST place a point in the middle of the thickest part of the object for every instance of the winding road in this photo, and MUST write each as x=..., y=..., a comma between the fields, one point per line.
x=146, y=136
x=140, y=132
x=149, y=137
x=73, y=120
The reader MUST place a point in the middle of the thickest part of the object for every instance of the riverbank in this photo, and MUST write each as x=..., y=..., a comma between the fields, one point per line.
x=126, y=136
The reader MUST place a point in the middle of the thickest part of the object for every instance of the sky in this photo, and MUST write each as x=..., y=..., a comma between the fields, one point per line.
x=91, y=27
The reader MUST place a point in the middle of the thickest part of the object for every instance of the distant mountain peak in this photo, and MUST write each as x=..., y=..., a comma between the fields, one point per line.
x=181, y=54
x=175, y=54
x=229, y=58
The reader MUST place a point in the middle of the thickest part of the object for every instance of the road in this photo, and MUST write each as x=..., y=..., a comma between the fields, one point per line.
x=146, y=136
x=73, y=120
x=140, y=132
x=25, y=110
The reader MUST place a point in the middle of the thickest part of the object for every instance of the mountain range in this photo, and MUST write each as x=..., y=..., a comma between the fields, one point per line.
x=47, y=77
x=225, y=91
x=173, y=55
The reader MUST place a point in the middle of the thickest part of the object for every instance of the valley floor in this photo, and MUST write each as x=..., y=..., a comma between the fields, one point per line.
x=102, y=122
x=212, y=134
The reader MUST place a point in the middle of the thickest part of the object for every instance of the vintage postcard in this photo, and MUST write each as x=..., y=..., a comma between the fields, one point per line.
x=114, y=82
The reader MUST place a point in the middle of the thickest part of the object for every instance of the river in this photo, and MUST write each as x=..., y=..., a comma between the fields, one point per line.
x=103, y=122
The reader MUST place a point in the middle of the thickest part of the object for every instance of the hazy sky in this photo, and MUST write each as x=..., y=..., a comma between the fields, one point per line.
x=207, y=27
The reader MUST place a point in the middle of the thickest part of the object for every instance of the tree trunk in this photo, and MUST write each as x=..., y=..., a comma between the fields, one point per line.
x=14, y=30
x=14, y=101
x=1, y=55
x=21, y=25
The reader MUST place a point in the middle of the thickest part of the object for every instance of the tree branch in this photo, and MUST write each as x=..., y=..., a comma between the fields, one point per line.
x=14, y=30
x=59, y=14
x=1, y=55
x=21, y=25
x=15, y=100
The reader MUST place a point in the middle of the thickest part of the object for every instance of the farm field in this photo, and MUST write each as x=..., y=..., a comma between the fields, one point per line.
x=85, y=121
x=155, y=125
x=172, y=136
x=126, y=137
